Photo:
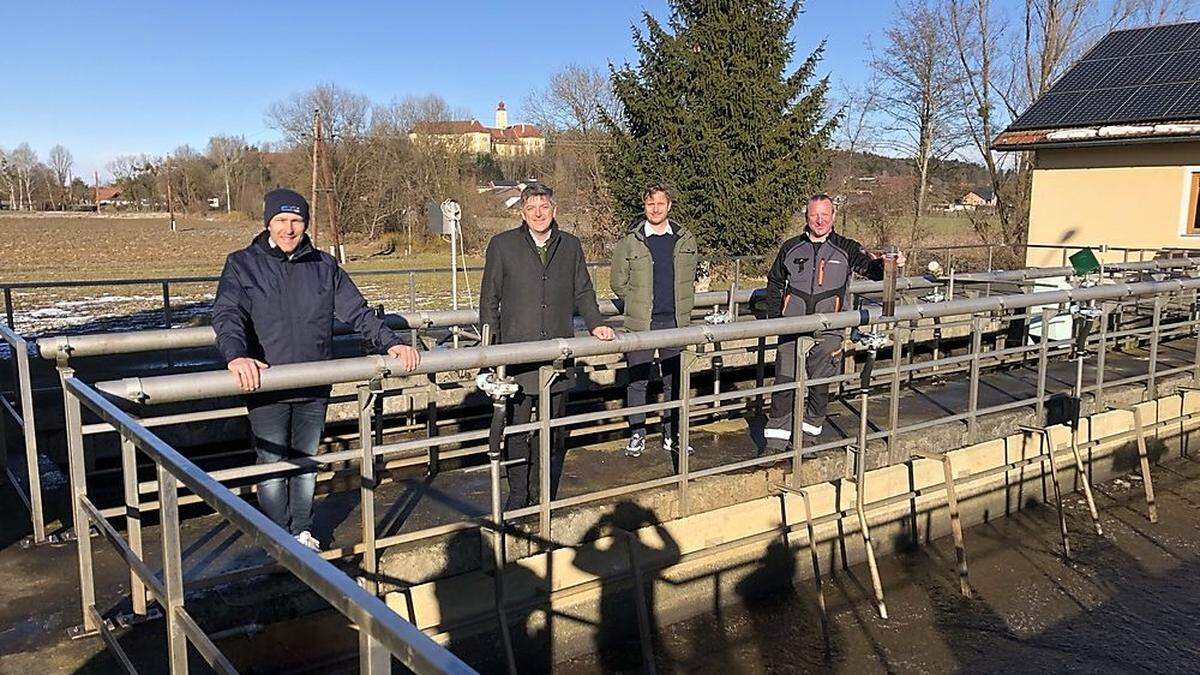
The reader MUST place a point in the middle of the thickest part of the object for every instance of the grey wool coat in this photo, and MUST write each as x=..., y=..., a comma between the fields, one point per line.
x=520, y=299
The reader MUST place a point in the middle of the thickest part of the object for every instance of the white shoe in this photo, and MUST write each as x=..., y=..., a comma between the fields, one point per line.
x=812, y=429
x=308, y=540
x=637, y=443
x=669, y=446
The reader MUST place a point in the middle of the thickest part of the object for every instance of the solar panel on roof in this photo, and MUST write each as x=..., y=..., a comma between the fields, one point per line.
x=1134, y=70
x=1097, y=106
x=1166, y=38
x=1048, y=109
x=1181, y=67
x=1148, y=102
x=1188, y=105
x=1119, y=43
x=1131, y=76
x=1086, y=75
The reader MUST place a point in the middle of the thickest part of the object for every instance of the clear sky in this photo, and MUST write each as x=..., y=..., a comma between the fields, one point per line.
x=125, y=77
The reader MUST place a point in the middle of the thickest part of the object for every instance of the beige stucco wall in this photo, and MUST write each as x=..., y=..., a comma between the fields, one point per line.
x=1132, y=196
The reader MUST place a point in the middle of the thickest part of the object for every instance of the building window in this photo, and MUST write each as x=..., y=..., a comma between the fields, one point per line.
x=1194, y=205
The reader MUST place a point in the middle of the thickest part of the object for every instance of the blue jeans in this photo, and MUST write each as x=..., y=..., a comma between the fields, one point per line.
x=282, y=431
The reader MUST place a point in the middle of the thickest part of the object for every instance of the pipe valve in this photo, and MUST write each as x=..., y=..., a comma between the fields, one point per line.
x=497, y=386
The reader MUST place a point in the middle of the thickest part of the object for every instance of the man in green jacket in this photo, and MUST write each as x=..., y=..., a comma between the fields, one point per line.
x=653, y=274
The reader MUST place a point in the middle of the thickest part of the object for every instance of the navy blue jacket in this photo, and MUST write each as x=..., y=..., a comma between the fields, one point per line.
x=281, y=310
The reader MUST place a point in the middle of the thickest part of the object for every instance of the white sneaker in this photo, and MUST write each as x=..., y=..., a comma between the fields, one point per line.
x=669, y=446
x=308, y=540
x=637, y=443
x=812, y=429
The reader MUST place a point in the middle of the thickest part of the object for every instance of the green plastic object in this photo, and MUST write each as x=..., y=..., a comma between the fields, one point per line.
x=1084, y=262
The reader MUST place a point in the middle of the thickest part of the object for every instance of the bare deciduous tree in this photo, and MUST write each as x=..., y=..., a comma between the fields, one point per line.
x=227, y=153
x=60, y=162
x=572, y=100
x=918, y=93
x=858, y=109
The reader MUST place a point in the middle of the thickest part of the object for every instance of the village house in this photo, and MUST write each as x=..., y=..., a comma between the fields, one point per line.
x=980, y=197
x=1117, y=146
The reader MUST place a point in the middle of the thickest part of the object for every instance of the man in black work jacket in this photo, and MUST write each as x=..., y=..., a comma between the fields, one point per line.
x=811, y=275
x=276, y=302
x=535, y=280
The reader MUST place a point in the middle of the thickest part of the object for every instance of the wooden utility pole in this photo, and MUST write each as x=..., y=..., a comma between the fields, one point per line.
x=170, y=206
x=96, y=190
x=312, y=212
x=327, y=179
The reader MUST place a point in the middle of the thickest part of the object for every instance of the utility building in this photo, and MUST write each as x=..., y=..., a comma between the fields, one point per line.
x=1117, y=146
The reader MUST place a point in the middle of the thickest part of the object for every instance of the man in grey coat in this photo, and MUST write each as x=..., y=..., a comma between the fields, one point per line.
x=535, y=279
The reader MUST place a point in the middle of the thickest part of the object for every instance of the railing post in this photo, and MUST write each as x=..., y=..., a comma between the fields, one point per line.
x=973, y=385
x=1101, y=355
x=78, y=473
x=894, y=399
x=1195, y=331
x=1156, y=324
x=29, y=436
x=166, y=296
x=8, y=308
x=168, y=497
x=367, y=482
x=545, y=380
x=133, y=520
x=372, y=657
x=1048, y=314
x=799, y=401
x=687, y=360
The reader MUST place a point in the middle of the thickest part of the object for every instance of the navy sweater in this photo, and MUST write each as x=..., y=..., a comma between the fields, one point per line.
x=662, y=252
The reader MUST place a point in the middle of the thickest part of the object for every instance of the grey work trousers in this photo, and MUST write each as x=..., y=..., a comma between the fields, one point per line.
x=823, y=359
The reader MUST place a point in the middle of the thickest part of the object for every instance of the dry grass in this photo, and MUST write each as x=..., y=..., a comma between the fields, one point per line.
x=45, y=247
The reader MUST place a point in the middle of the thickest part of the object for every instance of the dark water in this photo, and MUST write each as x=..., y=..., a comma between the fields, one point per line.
x=1127, y=602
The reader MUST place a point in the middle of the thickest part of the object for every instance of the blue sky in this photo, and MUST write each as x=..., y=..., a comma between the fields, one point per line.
x=121, y=77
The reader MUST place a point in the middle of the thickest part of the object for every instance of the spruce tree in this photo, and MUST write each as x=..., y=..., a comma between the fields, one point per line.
x=711, y=110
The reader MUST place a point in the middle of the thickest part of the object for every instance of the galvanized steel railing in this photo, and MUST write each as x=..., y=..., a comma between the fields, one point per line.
x=372, y=374
x=61, y=349
x=382, y=633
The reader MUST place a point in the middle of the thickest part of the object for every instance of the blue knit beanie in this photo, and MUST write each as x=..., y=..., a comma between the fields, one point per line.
x=284, y=201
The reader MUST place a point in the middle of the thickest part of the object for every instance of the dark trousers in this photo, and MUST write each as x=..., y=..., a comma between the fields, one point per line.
x=644, y=365
x=287, y=431
x=822, y=360
x=523, y=477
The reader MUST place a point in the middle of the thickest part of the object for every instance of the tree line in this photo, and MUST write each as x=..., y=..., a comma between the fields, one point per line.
x=719, y=105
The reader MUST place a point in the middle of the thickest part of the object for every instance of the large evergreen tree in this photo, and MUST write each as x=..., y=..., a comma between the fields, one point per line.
x=711, y=109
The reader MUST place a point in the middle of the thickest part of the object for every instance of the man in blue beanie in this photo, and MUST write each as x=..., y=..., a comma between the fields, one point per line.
x=276, y=302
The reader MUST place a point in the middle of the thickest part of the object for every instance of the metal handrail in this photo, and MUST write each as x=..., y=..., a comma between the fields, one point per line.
x=372, y=616
x=26, y=420
x=97, y=344
x=1045, y=300
x=218, y=383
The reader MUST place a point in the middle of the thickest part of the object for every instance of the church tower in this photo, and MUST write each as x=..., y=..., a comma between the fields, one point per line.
x=501, y=116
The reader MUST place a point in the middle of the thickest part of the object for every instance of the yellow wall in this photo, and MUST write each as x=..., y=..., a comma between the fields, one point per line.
x=1133, y=196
